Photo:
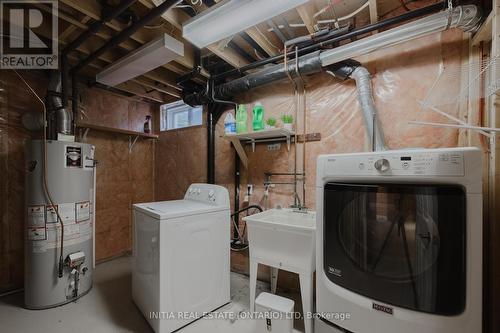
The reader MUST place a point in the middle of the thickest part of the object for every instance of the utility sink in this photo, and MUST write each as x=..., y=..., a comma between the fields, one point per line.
x=283, y=238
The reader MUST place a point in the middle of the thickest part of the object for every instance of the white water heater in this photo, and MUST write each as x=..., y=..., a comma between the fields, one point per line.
x=70, y=182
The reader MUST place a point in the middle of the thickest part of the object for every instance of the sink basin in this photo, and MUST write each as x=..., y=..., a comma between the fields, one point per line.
x=284, y=239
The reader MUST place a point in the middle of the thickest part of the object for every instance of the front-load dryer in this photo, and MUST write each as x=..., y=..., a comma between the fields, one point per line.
x=399, y=241
x=181, y=257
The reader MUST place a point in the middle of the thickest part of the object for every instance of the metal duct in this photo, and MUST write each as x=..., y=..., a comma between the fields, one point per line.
x=365, y=97
x=466, y=18
x=64, y=117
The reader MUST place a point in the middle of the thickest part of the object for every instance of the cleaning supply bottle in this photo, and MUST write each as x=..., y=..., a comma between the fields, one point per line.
x=241, y=119
x=147, y=124
x=258, y=117
x=230, y=124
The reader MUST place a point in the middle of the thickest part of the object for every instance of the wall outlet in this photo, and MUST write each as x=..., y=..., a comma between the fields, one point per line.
x=249, y=189
x=274, y=147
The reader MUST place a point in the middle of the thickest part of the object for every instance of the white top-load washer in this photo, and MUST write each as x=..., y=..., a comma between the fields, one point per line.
x=181, y=257
x=399, y=241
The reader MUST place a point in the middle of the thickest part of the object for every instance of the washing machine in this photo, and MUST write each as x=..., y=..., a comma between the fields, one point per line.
x=399, y=241
x=181, y=257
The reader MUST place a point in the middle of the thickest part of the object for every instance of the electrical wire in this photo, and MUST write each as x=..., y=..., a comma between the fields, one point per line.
x=45, y=184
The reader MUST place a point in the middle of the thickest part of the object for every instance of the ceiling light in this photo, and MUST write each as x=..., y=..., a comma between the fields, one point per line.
x=230, y=17
x=146, y=58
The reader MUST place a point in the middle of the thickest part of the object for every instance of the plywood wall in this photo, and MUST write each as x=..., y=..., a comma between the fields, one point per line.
x=123, y=178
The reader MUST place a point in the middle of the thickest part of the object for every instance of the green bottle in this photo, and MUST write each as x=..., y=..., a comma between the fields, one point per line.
x=258, y=117
x=241, y=119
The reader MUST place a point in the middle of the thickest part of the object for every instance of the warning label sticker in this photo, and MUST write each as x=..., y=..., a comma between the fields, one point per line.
x=76, y=218
x=37, y=233
x=82, y=211
x=67, y=212
x=51, y=213
x=36, y=216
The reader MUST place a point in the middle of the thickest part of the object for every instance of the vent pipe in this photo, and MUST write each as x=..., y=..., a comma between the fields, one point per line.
x=365, y=97
x=64, y=118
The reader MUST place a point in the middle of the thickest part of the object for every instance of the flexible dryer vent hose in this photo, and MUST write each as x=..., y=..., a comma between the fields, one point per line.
x=365, y=97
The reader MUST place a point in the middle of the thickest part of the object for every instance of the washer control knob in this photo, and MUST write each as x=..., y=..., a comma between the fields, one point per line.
x=211, y=194
x=382, y=165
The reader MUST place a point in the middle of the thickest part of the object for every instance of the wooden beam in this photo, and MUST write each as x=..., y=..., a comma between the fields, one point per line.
x=177, y=17
x=263, y=42
x=72, y=28
x=132, y=87
x=306, y=13
x=373, y=11
x=93, y=9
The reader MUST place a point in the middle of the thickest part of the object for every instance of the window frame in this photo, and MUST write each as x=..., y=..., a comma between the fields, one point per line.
x=168, y=112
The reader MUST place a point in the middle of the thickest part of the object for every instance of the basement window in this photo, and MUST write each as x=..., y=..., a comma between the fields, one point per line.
x=179, y=115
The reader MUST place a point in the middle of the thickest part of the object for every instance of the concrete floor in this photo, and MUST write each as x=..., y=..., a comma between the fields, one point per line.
x=108, y=307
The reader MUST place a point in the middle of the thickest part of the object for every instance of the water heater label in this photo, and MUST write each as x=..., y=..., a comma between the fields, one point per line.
x=51, y=213
x=36, y=216
x=82, y=211
x=67, y=212
x=37, y=233
x=73, y=157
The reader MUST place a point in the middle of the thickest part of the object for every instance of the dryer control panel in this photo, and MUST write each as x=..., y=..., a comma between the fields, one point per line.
x=397, y=163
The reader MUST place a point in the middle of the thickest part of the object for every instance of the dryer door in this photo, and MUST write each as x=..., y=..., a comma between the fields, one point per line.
x=399, y=244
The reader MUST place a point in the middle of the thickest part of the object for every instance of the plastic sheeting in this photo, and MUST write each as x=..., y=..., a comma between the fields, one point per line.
x=401, y=77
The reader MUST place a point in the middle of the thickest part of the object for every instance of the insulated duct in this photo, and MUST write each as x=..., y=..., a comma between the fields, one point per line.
x=307, y=64
x=466, y=18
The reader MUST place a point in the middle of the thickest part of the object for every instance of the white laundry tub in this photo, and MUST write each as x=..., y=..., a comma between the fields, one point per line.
x=283, y=238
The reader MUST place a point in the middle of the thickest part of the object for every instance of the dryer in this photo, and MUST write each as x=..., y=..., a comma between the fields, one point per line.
x=181, y=257
x=399, y=241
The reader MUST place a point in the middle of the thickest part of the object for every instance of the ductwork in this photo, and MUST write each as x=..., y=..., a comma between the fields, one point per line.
x=64, y=118
x=365, y=96
x=467, y=18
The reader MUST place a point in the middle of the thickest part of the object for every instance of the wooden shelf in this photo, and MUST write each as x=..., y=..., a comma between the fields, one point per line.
x=253, y=137
x=117, y=130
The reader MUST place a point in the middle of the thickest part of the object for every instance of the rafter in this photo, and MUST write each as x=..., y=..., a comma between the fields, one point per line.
x=131, y=87
x=306, y=13
x=177, y=17
x=92, y=9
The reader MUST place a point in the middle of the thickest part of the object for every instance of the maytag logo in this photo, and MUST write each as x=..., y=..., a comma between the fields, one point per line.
x=335, y=271
x=383, y=308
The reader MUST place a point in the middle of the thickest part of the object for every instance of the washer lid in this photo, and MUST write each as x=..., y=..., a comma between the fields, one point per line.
x=176, y=208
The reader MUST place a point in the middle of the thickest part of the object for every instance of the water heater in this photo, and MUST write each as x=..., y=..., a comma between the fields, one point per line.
x=70, y=182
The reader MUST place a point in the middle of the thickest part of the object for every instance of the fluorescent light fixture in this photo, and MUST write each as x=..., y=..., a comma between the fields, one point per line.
x=230, y=17
x=152, y=55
